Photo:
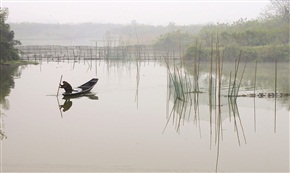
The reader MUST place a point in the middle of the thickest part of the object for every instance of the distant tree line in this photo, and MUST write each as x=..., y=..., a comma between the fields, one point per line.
x=7, y=42
x=174, y=40
x=86, y=33
x=264, y=39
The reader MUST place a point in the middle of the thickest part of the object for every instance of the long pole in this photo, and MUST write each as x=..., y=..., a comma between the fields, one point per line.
x=59, y=85
x=59, y=107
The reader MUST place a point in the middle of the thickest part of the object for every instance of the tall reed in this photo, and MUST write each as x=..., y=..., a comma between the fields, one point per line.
x=234, y=89
x=218, y=88
x=210, y=90
x=218, y=116
x=275, y=117
x=239, y=85
x=255, y=79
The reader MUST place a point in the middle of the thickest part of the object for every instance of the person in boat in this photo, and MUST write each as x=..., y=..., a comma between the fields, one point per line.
x=66, y=86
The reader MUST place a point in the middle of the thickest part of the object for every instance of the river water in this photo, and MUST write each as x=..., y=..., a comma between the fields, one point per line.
x=129, y=122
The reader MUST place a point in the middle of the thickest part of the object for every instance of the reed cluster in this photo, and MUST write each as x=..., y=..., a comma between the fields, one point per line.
x=185, y=89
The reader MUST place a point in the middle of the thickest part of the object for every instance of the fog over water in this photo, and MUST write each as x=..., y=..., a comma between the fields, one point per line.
x=124, y=12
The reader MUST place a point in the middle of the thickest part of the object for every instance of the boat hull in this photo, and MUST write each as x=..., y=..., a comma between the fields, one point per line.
x=82, y=89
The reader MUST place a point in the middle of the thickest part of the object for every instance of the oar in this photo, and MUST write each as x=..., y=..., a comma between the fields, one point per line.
x=59, y=107
x=58, y=85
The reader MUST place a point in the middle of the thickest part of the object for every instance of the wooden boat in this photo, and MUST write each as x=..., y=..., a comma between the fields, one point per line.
x=84, y=88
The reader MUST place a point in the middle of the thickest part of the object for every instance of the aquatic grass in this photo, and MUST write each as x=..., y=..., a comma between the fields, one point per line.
x=185, y=89
x=237, y=63
x=173, y=80
x=180, y=81
x=239, y=85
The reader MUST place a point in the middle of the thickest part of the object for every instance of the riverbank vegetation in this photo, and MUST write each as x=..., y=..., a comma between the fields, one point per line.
x=262, y=39
x=7, y=42
x=9, y=53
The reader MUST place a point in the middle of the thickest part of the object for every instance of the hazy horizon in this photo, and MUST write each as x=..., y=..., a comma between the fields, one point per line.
x=124, y=12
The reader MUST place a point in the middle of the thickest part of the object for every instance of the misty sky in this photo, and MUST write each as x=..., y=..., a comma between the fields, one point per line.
x=123, y=12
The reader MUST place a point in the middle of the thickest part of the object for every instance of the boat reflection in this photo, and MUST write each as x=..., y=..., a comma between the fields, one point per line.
x=66, y=105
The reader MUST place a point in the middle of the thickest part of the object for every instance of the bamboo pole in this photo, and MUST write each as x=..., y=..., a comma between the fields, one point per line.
x=59, y=107
x=59, y=85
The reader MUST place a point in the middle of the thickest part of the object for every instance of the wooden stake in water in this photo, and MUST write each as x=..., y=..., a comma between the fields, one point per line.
x=59, y=85
x=255, y=97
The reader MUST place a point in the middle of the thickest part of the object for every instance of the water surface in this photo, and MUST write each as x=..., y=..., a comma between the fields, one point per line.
x=125, y=123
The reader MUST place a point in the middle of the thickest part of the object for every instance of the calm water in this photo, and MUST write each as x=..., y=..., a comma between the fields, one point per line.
x=129, y=122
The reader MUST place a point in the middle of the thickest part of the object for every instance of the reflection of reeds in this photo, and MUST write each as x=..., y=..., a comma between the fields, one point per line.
x=138, y=67
x=137, y=81
x=178, y=114
x=236, y=119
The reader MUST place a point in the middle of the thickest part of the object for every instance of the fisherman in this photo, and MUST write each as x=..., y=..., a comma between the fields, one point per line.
x=66, y=86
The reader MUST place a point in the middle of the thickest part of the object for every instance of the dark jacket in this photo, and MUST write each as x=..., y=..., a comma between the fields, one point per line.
x=67, y=87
